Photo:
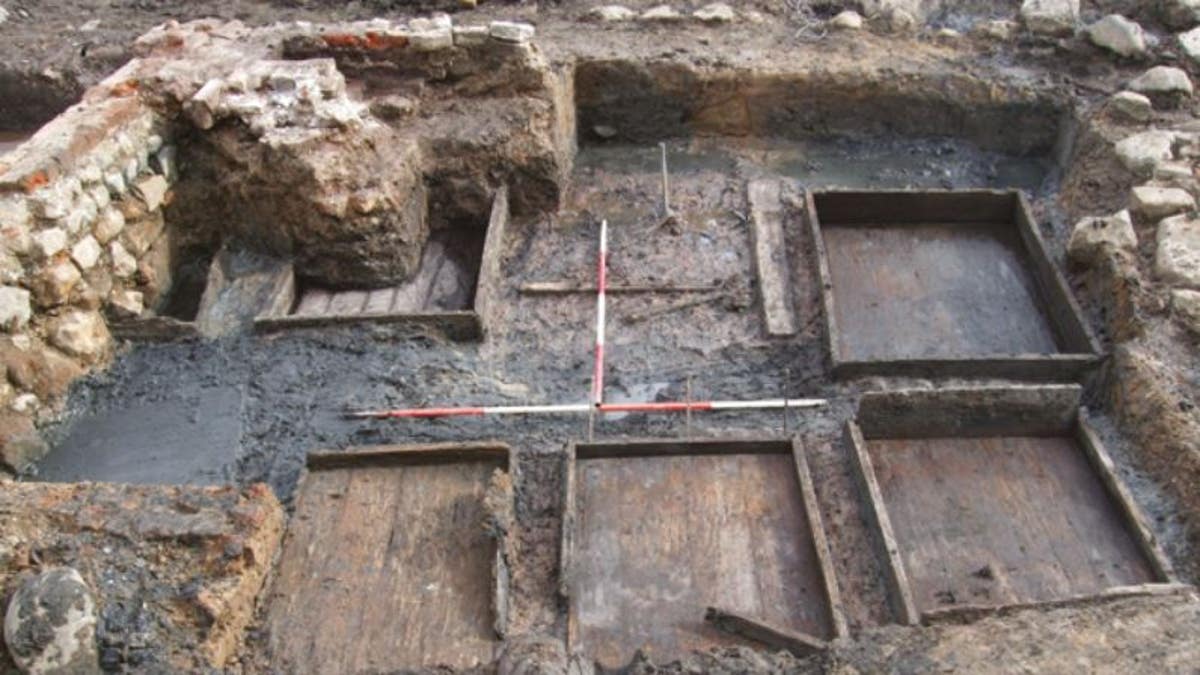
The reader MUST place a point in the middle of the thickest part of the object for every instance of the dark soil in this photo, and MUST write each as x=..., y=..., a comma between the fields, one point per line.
x=294, y=387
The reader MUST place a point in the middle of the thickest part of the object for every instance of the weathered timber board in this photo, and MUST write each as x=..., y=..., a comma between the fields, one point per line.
x=934, y=290
x=445, y=282
x=771, y=256
x=1003, y=520
x=385, y=568
x=660, y=538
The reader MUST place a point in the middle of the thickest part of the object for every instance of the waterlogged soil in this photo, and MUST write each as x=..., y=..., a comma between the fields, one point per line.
x=287, y=393
x=295, y=387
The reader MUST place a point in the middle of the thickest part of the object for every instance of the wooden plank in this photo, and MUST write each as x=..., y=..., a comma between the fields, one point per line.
x=379, y=301
x=799, y=644
x=393, y=556
x=456, y=325
x=661, y=537
x=934, y=290
x=411, y=296
x=490, y=284
x=699, y=446
x=771, y=256
x=566, y=553
x=283, y=296
x=896, y=304
x=855, y=207
x=431, y=453
x=314, y=302
x=501, y=576
x=898, y=586
x=825, y=279
x=1002, y=520
x=989, y=410
x=347, y=303
x=972, y=613
x=1137, y=522
x=154, y=329
x=816, y=529
x=1029, y=367
x=1074, y=333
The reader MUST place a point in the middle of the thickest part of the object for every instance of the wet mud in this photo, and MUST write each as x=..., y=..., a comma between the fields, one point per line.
x=292, y=388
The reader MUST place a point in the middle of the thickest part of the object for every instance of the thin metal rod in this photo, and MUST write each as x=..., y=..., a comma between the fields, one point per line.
x=666, y=183
x=688, y=426
x=649, y=407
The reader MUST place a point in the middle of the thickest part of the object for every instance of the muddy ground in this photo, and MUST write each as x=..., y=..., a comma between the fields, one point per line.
x=262, y=402
x=292, y=389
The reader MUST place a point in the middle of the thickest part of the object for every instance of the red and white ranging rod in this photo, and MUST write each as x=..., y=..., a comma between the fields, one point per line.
x=596, y=402
x=652, y=407
x=601, y=287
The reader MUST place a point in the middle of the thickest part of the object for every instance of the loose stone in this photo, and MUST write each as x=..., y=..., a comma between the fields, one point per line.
x=1154, y=203
x=1177, y=258
x=1091, y=236
x=1118, y=35
x=1050, y=17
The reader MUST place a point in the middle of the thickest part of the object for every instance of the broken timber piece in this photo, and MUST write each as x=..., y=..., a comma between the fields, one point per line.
x=799, y=644
x=639, y=317
x=770, y=256
x=565, y=287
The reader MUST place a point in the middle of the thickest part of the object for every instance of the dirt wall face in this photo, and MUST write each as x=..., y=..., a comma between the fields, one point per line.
x=349, y=207
x=644, y=101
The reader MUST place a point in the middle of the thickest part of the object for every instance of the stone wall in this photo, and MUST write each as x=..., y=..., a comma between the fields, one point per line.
x=325, y=146
x=486, y=106
x=81, y=213
x=1140, y=264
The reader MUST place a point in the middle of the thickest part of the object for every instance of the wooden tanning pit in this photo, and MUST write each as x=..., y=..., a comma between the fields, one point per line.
x=395, y=560
x=459, y=277
x=209, y=295
x=175, y=312
x=949, y=283
x=990, y=498
x=670, y=547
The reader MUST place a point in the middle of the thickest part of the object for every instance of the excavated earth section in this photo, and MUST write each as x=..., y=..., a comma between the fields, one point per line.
x=252, y=406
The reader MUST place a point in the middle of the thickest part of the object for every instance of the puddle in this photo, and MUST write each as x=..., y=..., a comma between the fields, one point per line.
x=194, y=439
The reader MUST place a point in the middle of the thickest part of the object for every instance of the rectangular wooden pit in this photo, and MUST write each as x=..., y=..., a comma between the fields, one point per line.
x=977, y=520
x=451, y=294
x=655, y=533
x=943, y=283
x=209, y=295
x=175, y=316
x=387, y=564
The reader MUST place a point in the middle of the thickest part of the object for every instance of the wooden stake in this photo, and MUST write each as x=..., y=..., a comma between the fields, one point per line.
x=799, y=644
x=666, y=184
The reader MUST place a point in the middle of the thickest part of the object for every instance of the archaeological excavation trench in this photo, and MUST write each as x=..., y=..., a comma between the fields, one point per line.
x=406, y=345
